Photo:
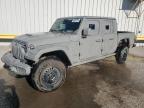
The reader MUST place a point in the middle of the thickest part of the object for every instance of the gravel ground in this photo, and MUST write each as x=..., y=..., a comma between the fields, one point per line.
x=100, y=84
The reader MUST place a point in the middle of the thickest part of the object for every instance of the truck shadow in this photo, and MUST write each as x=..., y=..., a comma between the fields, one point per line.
x=8, y=96
x=112, y=71
x=129, y=74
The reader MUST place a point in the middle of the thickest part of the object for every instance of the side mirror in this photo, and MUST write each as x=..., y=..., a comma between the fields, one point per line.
x=84, y=33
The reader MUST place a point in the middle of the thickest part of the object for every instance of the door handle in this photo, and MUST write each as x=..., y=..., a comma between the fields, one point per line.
x=111, y=39
x=98, y=40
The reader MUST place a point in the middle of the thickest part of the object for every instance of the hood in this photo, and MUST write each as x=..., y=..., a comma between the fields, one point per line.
x=43, y=38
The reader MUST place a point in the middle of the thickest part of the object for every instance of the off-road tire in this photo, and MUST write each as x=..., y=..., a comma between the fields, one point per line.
x=35, y=78
x=121, y=54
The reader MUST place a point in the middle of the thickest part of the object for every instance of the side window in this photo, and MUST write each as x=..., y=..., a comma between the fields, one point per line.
x=107, y=27
x=92, y=26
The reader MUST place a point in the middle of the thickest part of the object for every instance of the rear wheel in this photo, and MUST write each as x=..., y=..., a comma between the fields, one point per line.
x=121, y=55
x=47, y=75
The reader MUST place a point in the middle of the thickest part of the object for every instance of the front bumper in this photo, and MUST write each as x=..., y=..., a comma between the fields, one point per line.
x=15, y=65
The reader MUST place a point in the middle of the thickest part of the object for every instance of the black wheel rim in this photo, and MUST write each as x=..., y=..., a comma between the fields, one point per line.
x=50, y=78
x=124, y=54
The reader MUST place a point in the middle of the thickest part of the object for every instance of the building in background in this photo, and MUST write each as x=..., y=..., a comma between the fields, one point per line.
x=24, y=16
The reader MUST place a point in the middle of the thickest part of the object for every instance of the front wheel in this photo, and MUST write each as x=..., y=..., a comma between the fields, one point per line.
x=48, y=75
x=121, y=55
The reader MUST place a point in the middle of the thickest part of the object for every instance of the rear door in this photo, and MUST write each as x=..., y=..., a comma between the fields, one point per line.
x=109, y=36
x=91, y=45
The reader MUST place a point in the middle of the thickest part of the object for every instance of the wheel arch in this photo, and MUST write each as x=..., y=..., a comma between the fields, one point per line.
x=60, y=54
x=123, y=42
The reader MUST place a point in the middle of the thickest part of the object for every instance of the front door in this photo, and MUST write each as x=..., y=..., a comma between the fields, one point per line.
x=91, y=45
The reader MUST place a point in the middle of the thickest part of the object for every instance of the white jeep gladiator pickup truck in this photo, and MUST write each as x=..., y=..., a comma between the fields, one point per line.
x=44, y=57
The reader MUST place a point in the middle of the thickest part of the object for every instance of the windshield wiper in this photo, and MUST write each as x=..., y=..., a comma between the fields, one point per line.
x=53, y=30
x=61, y=31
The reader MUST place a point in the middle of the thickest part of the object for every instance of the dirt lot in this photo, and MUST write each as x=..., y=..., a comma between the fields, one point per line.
x=100, y=84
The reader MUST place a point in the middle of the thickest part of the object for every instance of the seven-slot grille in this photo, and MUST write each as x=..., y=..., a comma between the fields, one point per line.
x=18, y=49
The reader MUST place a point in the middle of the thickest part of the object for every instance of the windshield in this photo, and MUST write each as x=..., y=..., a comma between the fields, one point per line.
x=66, y=25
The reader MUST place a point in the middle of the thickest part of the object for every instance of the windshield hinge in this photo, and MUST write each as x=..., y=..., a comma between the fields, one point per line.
x=102, y=40
x=101, y=50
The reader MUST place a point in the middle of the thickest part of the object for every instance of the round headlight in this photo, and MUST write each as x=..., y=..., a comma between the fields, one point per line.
x=31, y=46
